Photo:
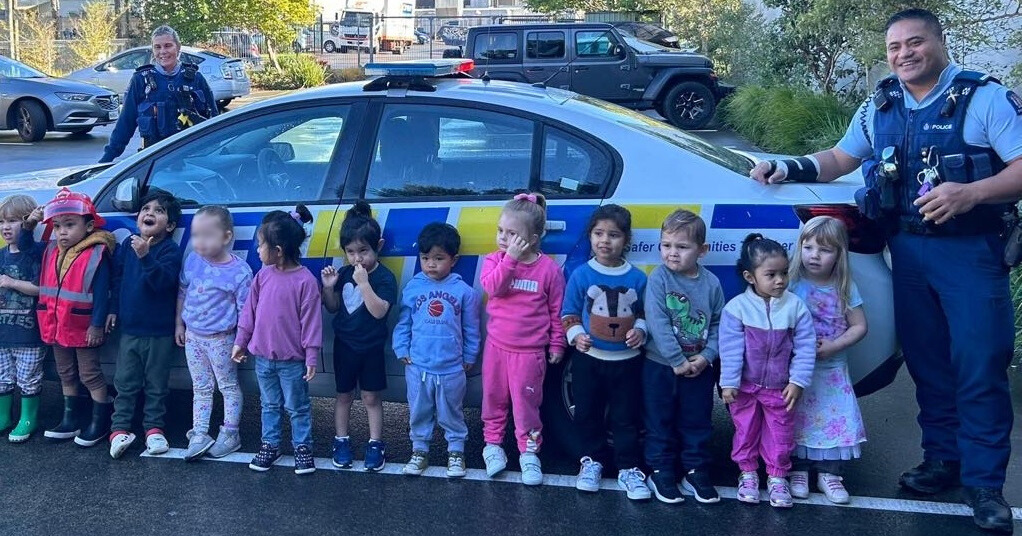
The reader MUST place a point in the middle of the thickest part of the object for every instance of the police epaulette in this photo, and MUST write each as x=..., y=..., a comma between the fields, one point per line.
x=146, y=67
x=975, y=77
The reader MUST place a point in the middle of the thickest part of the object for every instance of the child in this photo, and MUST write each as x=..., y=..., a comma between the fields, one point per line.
x=282, y=326
x=767, y=349
x=828, y=425
x=361, y=294
x=21, y=349
x=526, y=288
x=213, y=288
x=437, y=338
x=683, y=306
x=604, y=320
x=74, y=298
x=144, y=307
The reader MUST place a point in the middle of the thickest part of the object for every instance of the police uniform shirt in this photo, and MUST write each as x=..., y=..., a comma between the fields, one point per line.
x=993, y=119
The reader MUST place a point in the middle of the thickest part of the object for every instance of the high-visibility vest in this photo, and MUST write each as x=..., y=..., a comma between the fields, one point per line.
x=65, y=304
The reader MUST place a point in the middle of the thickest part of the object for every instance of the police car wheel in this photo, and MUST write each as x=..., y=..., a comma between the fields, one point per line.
x=689, y=105
x=30, y=119
x=558, y=408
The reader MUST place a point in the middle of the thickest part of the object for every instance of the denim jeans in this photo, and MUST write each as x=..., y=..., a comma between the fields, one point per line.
x=281, y=383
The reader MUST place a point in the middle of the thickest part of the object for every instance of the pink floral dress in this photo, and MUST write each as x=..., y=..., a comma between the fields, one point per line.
x=828, y=424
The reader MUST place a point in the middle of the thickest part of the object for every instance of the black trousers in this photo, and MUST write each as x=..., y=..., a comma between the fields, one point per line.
x=608, y=394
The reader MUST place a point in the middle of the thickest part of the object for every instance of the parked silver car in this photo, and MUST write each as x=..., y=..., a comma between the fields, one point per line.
x=226, y=76
x=33, y=102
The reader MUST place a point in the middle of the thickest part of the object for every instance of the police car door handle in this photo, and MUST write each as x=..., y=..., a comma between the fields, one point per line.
x=556, y=225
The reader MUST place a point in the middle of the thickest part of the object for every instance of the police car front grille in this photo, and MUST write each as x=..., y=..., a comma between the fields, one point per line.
x=109, y=102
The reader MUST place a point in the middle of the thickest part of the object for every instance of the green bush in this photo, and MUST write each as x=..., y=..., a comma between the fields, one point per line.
x=297, y=71
x=787, y=120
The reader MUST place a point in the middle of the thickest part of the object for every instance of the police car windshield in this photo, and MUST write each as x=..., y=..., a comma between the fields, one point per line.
x=13, y=69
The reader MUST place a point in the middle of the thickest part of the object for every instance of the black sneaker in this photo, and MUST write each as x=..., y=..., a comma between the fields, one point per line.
x=304, y=463
x=989, y=509
x=664, y=488
x=697, y=482
x=931, y=476
x=268, y=455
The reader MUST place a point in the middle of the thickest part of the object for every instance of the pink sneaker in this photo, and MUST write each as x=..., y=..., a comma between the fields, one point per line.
x=780, y=495
x=748, y=487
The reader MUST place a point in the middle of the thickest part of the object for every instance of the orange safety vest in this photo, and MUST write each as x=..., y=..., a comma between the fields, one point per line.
x=65, y=304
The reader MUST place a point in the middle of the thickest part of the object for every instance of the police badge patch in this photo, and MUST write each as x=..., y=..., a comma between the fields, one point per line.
x=1015, y=101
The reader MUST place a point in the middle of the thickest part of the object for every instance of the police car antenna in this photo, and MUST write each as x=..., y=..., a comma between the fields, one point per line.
x=567, y=66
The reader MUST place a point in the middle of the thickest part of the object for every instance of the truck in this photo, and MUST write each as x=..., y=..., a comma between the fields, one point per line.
x=389, y=23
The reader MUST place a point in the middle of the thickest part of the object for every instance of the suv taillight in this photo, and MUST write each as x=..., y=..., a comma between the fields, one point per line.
x=864, y=235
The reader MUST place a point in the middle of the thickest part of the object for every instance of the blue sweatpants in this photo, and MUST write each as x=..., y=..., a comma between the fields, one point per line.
x=955, y=321
x=678, y=414
x=432, y=398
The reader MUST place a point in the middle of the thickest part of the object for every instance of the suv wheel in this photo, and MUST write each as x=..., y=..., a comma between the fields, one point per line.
x=689, y=105
x=558, y=410
x=30, y=119
x=329, y=47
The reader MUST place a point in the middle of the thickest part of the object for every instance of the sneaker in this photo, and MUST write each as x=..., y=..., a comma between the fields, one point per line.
x=496, y=460
x=697, y=482
x=416, y=464
x=304, y=462
x=156, y=442
x=748, y=487
x=663, y=487
x=267, y=456
x=376, y=455
x=119, y=443
x=198, y=445
x=800, y=484
x=780, y=493
x=989, y=509
x=532, y=469
x=832, y=488
x=455, y=464
x=633, y=481
x=589, y=475
x=342, y=452
x=227, y=442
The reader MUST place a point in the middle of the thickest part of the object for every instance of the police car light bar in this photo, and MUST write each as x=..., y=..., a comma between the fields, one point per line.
x=423, y=68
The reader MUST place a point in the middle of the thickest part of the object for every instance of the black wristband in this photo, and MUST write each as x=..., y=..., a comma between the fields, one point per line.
x=801, y=169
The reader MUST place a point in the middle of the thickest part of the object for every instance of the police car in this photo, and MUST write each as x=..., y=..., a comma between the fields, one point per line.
x=423, y=142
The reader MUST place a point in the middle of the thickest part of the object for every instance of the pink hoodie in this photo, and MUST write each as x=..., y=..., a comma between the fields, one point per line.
x=524, y=303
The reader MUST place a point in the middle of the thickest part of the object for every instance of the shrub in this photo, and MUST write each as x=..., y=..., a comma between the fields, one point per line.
x=297, y=71
x=347, y=74
x=787, y=120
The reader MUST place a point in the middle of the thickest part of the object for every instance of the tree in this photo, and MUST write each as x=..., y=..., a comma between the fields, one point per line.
x=37, y=41
x=97, y=28
x=194, y=20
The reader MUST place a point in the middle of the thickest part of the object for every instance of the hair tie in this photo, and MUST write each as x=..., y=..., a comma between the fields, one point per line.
x=527, y=197
x=297, y=217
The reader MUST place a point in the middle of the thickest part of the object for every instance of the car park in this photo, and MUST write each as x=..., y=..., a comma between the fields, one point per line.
x=33, y=103
x=422, y=147
x=225, y=76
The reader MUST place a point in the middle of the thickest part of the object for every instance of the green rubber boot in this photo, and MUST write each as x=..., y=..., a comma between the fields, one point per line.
x=27, y=424
x=5, y=410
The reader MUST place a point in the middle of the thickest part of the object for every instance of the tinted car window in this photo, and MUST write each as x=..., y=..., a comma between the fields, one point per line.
x=191, y=58
x=497, y=46
x=595, y=43
x=544, y=45
x=129, y=61
x=280, y=157
x=425, y=151
x=572, y=165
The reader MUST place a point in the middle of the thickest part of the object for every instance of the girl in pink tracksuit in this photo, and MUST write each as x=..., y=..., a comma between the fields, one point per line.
x=767, y=352
x=525, y=289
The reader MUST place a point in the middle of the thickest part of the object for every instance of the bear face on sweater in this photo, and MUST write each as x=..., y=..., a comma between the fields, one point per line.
x=611, y=315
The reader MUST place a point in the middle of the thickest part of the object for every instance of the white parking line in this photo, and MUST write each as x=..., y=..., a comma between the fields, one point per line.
x=568, y=481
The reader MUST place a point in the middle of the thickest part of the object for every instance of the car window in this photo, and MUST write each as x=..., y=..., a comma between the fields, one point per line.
x=281, y=157
x=544, y=45
x=425, y=151
x=595, y=43
x=572, y=165
x=128, y=62
x=499, y=46
x=191, y=58
x=12, y=69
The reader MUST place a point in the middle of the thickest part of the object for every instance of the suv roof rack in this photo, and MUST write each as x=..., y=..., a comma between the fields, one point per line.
x=414, y=74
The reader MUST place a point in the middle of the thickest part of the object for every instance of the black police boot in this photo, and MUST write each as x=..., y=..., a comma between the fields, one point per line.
x=99, y=428
x=989, y=509
x=68, y=426
x=931, y=476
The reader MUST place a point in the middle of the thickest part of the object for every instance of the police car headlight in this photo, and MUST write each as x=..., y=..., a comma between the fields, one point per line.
x=74, y=97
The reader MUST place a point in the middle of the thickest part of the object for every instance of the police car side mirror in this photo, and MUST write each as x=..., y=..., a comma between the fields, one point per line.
x=126, y=196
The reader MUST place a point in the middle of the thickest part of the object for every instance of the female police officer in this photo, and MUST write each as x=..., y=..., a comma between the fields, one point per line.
x=162, y=99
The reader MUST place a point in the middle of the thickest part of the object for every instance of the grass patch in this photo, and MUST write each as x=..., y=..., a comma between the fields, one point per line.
x=297, y=71
x=787, y=120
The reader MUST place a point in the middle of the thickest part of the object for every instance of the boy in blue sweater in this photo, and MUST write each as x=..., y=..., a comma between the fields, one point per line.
x=437, y=338
x=145, y=290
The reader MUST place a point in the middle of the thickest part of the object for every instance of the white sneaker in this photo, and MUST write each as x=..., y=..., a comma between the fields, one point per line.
x=532, y=469
x=634, y=483
x=589, y=475
x=416, y=464
x=831, y=486
x=120, y=443
x=156, y=443
x=799, y=484
x=495, y=459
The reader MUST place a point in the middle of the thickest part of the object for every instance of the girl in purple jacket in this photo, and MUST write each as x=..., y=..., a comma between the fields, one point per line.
x=767, y=350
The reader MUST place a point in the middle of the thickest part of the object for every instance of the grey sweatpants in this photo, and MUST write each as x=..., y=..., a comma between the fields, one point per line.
x=432, y=398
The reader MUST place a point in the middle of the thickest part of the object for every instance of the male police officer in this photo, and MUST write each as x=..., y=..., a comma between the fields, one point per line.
x=162, y=99
x=952, y=168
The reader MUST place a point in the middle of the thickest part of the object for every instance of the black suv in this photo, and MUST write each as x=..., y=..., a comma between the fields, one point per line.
x=597, y=60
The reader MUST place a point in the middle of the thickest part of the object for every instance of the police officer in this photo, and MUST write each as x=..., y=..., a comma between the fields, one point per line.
x=162, y=99
x=952, y=168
